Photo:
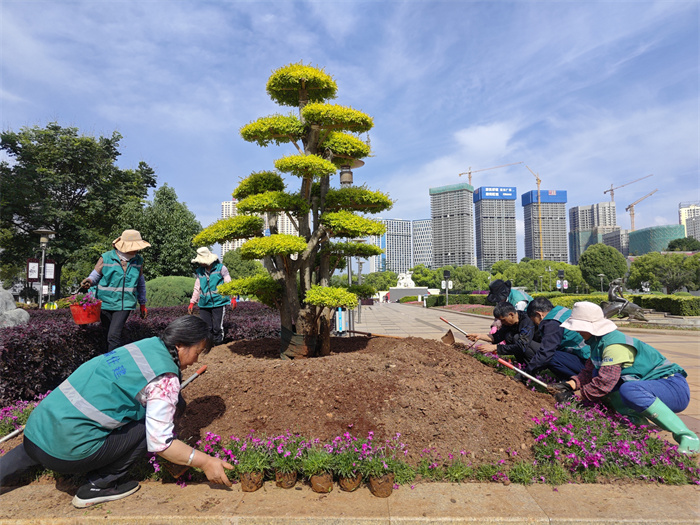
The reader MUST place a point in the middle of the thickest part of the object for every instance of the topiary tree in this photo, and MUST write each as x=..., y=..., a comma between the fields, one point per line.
x=328, y=219
x=604, y=259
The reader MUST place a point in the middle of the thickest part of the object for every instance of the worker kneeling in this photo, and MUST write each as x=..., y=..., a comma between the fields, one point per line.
x=516, y=332
x=632, y=376
x=112, y=410
x=562, y=351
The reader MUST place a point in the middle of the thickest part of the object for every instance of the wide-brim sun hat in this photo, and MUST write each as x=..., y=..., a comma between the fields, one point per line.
x=588, y=317
x=204, y=256
x=130, y=241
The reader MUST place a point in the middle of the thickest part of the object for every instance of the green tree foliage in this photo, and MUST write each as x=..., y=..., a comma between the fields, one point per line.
x=325, y=137
x=67, y=182
x=601, y=259
x=423, y=276
x=239, y=267
x=380, y=280
x=527, y=274
x=686, y=244
x=168, y=226
x=469, y=278
x=169, y=291
x=502, y=266
x=670, y=270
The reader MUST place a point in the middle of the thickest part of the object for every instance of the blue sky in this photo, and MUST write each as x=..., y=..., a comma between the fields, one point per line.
x=586, y=93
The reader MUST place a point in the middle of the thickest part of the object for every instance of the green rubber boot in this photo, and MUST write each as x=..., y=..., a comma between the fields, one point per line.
x=615, y=401
x=664, y=417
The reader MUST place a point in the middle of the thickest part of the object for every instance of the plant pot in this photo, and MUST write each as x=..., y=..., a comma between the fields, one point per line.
x=350, y=484
x=87, y=315
x=285, y=480
x=381, y=486
x=322, y=482
x=251, y=481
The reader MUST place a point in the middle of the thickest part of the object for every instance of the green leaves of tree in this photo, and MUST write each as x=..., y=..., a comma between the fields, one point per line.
x=305, y=166
x=601, y=259
x=238, y=227
x=286, y=82
x=280, y=244
x=334, y=116
x=347, y=224
x=330, y=297
x=353, y=249
x=358, y=198
x=273, y=201
x=260, y=285
x=279, y=129
x=259, y=182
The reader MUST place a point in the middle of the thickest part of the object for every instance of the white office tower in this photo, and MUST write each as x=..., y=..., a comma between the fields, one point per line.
x=692, y=227
x=397, y=245
x=452, y=214
x=618, y=239
x=588, y=225
x=686, y=210
x=494, y=212
x=553, y=219
x=423, y=243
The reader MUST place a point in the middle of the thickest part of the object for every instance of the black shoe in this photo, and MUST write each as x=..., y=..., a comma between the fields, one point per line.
x=89, y=494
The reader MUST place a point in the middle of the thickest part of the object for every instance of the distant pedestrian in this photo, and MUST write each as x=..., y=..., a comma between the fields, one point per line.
x=118, y=282
x=629, y=374
x=210, y=275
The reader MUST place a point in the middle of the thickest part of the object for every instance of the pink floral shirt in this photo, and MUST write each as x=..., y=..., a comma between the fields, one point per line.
x=160, y=399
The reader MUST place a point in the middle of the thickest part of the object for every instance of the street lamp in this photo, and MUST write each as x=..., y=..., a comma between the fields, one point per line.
x=45, y=234
x=549, y=270
x=541, y=282
x=602, y=276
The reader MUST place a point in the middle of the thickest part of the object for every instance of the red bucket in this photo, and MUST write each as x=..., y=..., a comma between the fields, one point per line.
x=87, y=315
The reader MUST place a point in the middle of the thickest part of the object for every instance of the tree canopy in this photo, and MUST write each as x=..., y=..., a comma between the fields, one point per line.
x=240, y=268
x=670, y=270
x=168, y=225
x=686, y=244
x=67, y=182
x=601, y=259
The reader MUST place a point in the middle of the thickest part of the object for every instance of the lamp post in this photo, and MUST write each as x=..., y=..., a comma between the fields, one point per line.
x=45, y=234
x=602, y=276
x=549, y=270
x=541, y=276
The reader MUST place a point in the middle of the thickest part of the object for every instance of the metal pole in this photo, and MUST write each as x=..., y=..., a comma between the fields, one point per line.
x=41, y=275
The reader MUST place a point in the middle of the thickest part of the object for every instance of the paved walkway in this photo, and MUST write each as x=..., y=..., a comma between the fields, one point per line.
x=434, y=503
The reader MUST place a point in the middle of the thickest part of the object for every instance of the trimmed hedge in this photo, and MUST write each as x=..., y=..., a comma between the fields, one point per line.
x=38, y=356
x=169, y=291
x=673, y=304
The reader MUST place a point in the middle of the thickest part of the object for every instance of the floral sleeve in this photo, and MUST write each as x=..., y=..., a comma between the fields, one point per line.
x=160, y=398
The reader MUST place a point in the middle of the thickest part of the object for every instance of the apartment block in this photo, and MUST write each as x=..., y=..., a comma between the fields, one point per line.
x=397, y=245
x=553, y=230
x=452, y=215
x=423, y=243
x=618, y=239
x=687, y=210
x=494, y=213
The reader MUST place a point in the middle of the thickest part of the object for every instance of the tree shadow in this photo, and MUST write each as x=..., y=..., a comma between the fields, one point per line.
x=199, y=414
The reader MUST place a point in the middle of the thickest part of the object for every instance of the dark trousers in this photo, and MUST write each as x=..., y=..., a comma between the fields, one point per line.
x=14, y=463
x=214, y=317
x=112, y=325
x=565, y=365
x=112, y=461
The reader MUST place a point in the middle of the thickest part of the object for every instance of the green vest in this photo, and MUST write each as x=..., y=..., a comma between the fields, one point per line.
x=72, y=422
x=571, y=341
x=117, y=287
x=209, y=297
x=515, y=296
x=648, y=364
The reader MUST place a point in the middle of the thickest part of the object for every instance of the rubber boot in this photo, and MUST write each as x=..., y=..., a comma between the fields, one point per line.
x=616, y=402
x=664, y=417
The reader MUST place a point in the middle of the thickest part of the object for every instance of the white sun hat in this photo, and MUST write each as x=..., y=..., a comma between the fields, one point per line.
x=588, y=317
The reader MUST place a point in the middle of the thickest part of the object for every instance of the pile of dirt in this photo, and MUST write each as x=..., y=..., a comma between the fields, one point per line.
x=435, y=396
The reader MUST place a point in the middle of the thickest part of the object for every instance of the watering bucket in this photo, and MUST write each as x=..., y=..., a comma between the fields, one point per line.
x=86, y=315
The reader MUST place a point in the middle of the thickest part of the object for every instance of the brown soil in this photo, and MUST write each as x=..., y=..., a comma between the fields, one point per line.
x=435, y=396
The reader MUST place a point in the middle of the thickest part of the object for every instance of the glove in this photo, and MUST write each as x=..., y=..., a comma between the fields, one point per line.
x=144, y=311
x=85, y=283
x=562, y=392
x=233, y=302
x=190, y=308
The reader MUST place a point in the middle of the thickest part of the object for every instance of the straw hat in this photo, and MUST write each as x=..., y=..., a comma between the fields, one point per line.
x=588, y=317
x=204, y=256
x=130, y=241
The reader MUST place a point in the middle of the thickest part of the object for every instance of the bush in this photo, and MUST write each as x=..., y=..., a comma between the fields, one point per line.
x=52, y=346
x=409, y=299
x=673, y=304
x=169, y=291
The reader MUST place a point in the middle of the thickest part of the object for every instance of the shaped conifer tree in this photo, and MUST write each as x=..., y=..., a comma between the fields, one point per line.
x=328, y=219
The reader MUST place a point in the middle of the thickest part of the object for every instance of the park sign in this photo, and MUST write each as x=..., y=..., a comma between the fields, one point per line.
x=33, y=274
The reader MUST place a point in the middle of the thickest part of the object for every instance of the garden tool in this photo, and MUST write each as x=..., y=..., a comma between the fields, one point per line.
x=524, y=374
x=369, y=334
x=449, y=335
x=664, y=417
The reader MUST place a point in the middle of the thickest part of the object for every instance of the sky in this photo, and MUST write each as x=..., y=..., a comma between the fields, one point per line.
x=587, y=94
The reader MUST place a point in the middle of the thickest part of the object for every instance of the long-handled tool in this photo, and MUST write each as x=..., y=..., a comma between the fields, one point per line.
x=524, y=374
x=369, y=334
x=194, y=376
x=450, y=333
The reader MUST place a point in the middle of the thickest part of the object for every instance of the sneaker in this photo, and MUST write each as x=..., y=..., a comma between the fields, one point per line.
x=89, y=494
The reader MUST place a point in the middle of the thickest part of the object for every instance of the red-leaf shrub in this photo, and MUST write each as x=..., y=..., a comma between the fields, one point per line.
x=38, y=356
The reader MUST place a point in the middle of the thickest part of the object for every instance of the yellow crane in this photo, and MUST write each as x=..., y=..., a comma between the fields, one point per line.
x=469, y=171
x=630, y=208
x=611, y=191
x=539, y=210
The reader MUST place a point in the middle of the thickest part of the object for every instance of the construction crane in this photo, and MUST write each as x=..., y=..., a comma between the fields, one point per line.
x=469, y=171
x=539, y=210
x=611, y=191
x=630, y=208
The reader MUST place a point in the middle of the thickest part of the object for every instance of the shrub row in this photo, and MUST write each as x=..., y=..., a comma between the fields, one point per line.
x=38, y=356
x=673, y=304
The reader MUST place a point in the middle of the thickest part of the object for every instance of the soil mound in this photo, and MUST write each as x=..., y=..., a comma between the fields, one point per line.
x=435, y=396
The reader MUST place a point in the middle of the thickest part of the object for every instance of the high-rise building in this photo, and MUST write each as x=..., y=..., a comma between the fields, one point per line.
x=692, y=227
x=553, y=218
x=423, y=243
x=451, y=211
x=494, y=212
x=686, y=210
x=654, y=238
x=618, y=239
x=397, y=245
x=588, y=224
